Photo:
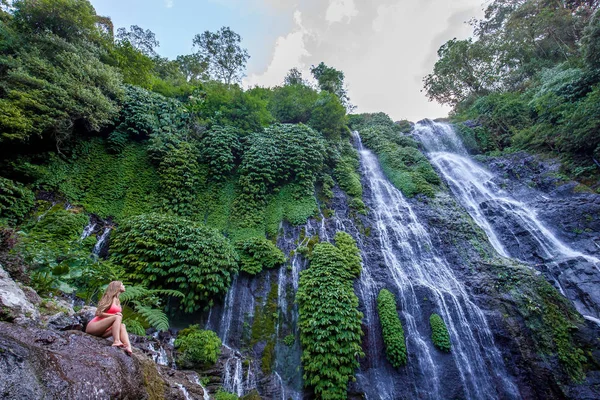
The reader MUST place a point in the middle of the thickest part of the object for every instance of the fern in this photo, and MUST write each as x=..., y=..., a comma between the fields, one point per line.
x=135, y=327
x=138, y=292
x=155, y=317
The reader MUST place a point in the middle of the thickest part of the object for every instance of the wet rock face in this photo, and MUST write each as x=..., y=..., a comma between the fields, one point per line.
x=44, y=364
x=570, y=215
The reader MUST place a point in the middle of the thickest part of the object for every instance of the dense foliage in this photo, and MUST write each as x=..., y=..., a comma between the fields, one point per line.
x=329, y=322
x=393, y=334
x=15, y=201
x=168, y=252
x=258, y=253
x=439, y=333
x=401, y=161
x=529, y=79
x=197, y=348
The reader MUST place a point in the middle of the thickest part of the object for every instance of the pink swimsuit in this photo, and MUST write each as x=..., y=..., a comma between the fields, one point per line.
x=112, y=310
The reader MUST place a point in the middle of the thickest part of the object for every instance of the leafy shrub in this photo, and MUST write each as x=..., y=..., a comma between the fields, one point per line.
x=347, y=246
x=179, y=173
x=15, y=201
x=223, y=395
x=328, y=116
x=221, y=150
x=329, y=322
x=257, y=253
x=293, y=103
x=169, y=252
x=216, y=103
x=439, y=333
x=197, y=348
x=393, y=334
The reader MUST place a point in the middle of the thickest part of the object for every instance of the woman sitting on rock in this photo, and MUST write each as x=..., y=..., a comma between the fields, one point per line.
x=107, y=321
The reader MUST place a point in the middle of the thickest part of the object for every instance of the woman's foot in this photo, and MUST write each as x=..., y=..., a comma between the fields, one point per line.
x=118, y=344
x=128, y=350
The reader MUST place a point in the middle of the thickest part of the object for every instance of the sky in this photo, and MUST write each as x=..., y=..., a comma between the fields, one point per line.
x=384, y=47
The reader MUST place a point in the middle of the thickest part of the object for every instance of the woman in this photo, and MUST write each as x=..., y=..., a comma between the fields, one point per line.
x=107, y=321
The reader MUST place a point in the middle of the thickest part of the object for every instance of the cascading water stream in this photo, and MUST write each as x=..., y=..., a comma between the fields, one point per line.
x=513, y=228
x=101, y=240
x=417, y=270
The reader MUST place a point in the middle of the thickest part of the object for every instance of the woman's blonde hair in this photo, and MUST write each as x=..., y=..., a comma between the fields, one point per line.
x=113, y=289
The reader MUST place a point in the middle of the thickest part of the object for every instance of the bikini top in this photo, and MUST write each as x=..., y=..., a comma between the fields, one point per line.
x=113, y=309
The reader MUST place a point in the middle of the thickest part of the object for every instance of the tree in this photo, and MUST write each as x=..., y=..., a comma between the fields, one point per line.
x=294, y=77
x=143, y=40
x=222, y=52
x=332, y=80
x=464, y=68
x=193, y=67
x=69, y=19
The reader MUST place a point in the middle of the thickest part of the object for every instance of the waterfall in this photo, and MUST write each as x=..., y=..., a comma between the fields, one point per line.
x=233, y=380
x=88, y=230
x=512, y=226
x=101, y=240
x=196, y=379
x=416, y=271
x=184, y=391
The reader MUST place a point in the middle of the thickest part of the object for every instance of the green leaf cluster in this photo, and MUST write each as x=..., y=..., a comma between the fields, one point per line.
x=197, y=348
x=329, y=322
x=170, y=252
x=439, y=333
x=282, y=154
x=393, y=334
x=16, y=201
x=401, y=161
x=106, y=184
x=146, y=304
x=221, y=150
x=258, y=253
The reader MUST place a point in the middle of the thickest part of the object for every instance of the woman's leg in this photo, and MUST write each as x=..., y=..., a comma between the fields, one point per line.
x=109, y=326
x=125, y=339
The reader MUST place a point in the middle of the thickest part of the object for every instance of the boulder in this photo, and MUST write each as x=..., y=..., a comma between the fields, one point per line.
x=14, y=304
x=44, y=364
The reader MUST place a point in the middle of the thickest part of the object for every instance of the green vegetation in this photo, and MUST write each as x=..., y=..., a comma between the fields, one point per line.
x=393, y=334
x=197, y=348
x=106, y=184
x=550, y=318
x=168, y=252
x=439, y=333
x=146, y=306
x=347, y=175
x=258, y=253
x=15, y=201
x=527, y=80
x=329, y=322
x=401, y=161
x=223, y=395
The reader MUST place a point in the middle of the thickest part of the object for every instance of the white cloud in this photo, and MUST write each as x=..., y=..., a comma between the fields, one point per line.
x=339, y=10
x=384, y=50
x=288, y=53
x=169, y=3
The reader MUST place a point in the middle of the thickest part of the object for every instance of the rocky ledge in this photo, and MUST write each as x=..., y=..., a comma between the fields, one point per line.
x=50, y=357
